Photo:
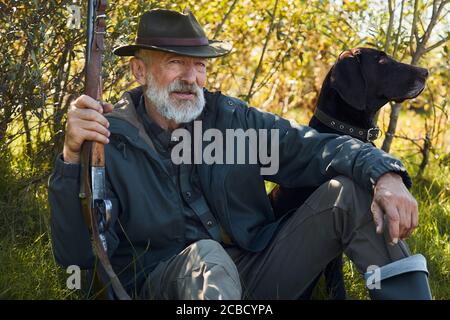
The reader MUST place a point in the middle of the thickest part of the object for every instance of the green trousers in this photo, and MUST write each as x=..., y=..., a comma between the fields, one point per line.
x=335, y=219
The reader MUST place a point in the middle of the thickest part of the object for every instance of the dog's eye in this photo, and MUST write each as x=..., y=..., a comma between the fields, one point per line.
x=382, y=59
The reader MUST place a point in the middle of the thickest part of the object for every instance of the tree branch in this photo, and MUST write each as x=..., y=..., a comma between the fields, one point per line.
x=434, y=17
x=258, y=68
x=390, y=25
x=397, y=35
x=414, y=28
x=219, y=27
x=434, y=46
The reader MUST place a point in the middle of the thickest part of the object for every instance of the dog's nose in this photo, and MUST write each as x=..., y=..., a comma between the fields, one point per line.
x=424, y=72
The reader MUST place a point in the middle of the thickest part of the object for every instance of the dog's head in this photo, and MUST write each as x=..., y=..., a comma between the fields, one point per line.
x=367, y=79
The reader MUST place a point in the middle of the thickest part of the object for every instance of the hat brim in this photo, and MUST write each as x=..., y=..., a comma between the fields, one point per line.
x=213, y=50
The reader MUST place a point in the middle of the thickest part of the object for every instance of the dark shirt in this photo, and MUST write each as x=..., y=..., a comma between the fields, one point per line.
x=193, y=204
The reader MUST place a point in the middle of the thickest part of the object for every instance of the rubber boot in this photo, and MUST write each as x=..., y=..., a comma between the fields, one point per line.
x=404, y=279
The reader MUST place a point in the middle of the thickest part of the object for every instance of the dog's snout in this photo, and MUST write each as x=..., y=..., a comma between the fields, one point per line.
x=423, y=72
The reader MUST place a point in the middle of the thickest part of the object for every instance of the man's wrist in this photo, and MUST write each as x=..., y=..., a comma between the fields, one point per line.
x=392, y=167
x=70, y=157
x=389, y=175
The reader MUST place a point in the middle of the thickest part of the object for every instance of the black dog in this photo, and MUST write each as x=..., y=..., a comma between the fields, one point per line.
x=361, y=82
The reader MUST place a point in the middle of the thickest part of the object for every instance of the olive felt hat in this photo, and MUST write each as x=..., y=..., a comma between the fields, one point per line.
x=172, y=31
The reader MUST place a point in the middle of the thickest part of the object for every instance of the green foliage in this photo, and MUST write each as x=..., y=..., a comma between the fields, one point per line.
x=432, y=238
x=282, y=51
x=29, y=272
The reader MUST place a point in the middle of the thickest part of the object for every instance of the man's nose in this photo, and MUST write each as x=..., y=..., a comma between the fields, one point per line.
x=189, y=75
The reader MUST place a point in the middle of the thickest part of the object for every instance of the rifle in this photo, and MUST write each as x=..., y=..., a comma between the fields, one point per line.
x=95, y=207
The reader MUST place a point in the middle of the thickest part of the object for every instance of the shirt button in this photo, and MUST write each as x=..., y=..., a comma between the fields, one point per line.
x=188, y=194
x=209, y=223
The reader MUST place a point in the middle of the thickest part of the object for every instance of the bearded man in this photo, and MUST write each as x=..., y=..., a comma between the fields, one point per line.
x=202, y=231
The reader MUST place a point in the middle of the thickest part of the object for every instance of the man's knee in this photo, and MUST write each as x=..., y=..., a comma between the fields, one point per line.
x=340, y=192
x=349, y=194
x=215, y=271
x=342, y=182
x=344, y=185
x=207, y=246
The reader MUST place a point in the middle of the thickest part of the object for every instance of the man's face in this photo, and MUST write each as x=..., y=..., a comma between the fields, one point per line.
x=174, y=85
x=168, y=67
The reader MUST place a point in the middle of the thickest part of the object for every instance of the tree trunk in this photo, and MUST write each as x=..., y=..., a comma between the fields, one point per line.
x=4, y=123
x=258, y=68
x=416, y=55
x=26, y=127
x=425, y=155
x=395, y=111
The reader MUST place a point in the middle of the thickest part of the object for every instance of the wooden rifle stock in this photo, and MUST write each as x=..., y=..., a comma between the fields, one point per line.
x=95, y=207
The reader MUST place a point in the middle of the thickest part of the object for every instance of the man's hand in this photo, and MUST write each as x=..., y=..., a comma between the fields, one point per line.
x=85, y=121
x=392, y=198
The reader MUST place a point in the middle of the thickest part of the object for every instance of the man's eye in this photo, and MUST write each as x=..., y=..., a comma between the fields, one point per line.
x=201, y=64
x=175, y=61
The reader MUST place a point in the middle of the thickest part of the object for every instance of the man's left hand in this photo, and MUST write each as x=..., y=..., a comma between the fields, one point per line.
x=392, y=198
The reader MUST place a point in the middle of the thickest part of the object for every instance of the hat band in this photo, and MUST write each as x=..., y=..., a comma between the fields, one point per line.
x=163, y=41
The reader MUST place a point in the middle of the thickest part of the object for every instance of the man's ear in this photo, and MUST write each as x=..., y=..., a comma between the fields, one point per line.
x=138, y=69
x=347, y=79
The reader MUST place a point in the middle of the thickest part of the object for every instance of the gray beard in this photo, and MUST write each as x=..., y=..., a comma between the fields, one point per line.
x=171, y=109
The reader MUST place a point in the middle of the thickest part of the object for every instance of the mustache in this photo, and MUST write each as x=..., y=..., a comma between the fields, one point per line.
x=179, y=111
x=184, y=87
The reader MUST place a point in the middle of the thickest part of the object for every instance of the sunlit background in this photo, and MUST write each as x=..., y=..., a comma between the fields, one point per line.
x=282, y=52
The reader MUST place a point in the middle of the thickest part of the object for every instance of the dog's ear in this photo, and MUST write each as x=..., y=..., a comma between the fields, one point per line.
x=348, y=80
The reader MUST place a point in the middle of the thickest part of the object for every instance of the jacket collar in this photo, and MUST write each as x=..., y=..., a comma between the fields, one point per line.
x=125, y=110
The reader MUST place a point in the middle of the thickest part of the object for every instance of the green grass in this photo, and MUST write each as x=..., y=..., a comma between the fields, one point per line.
x=27, y=267
x=432, y=237
x=28, y=271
